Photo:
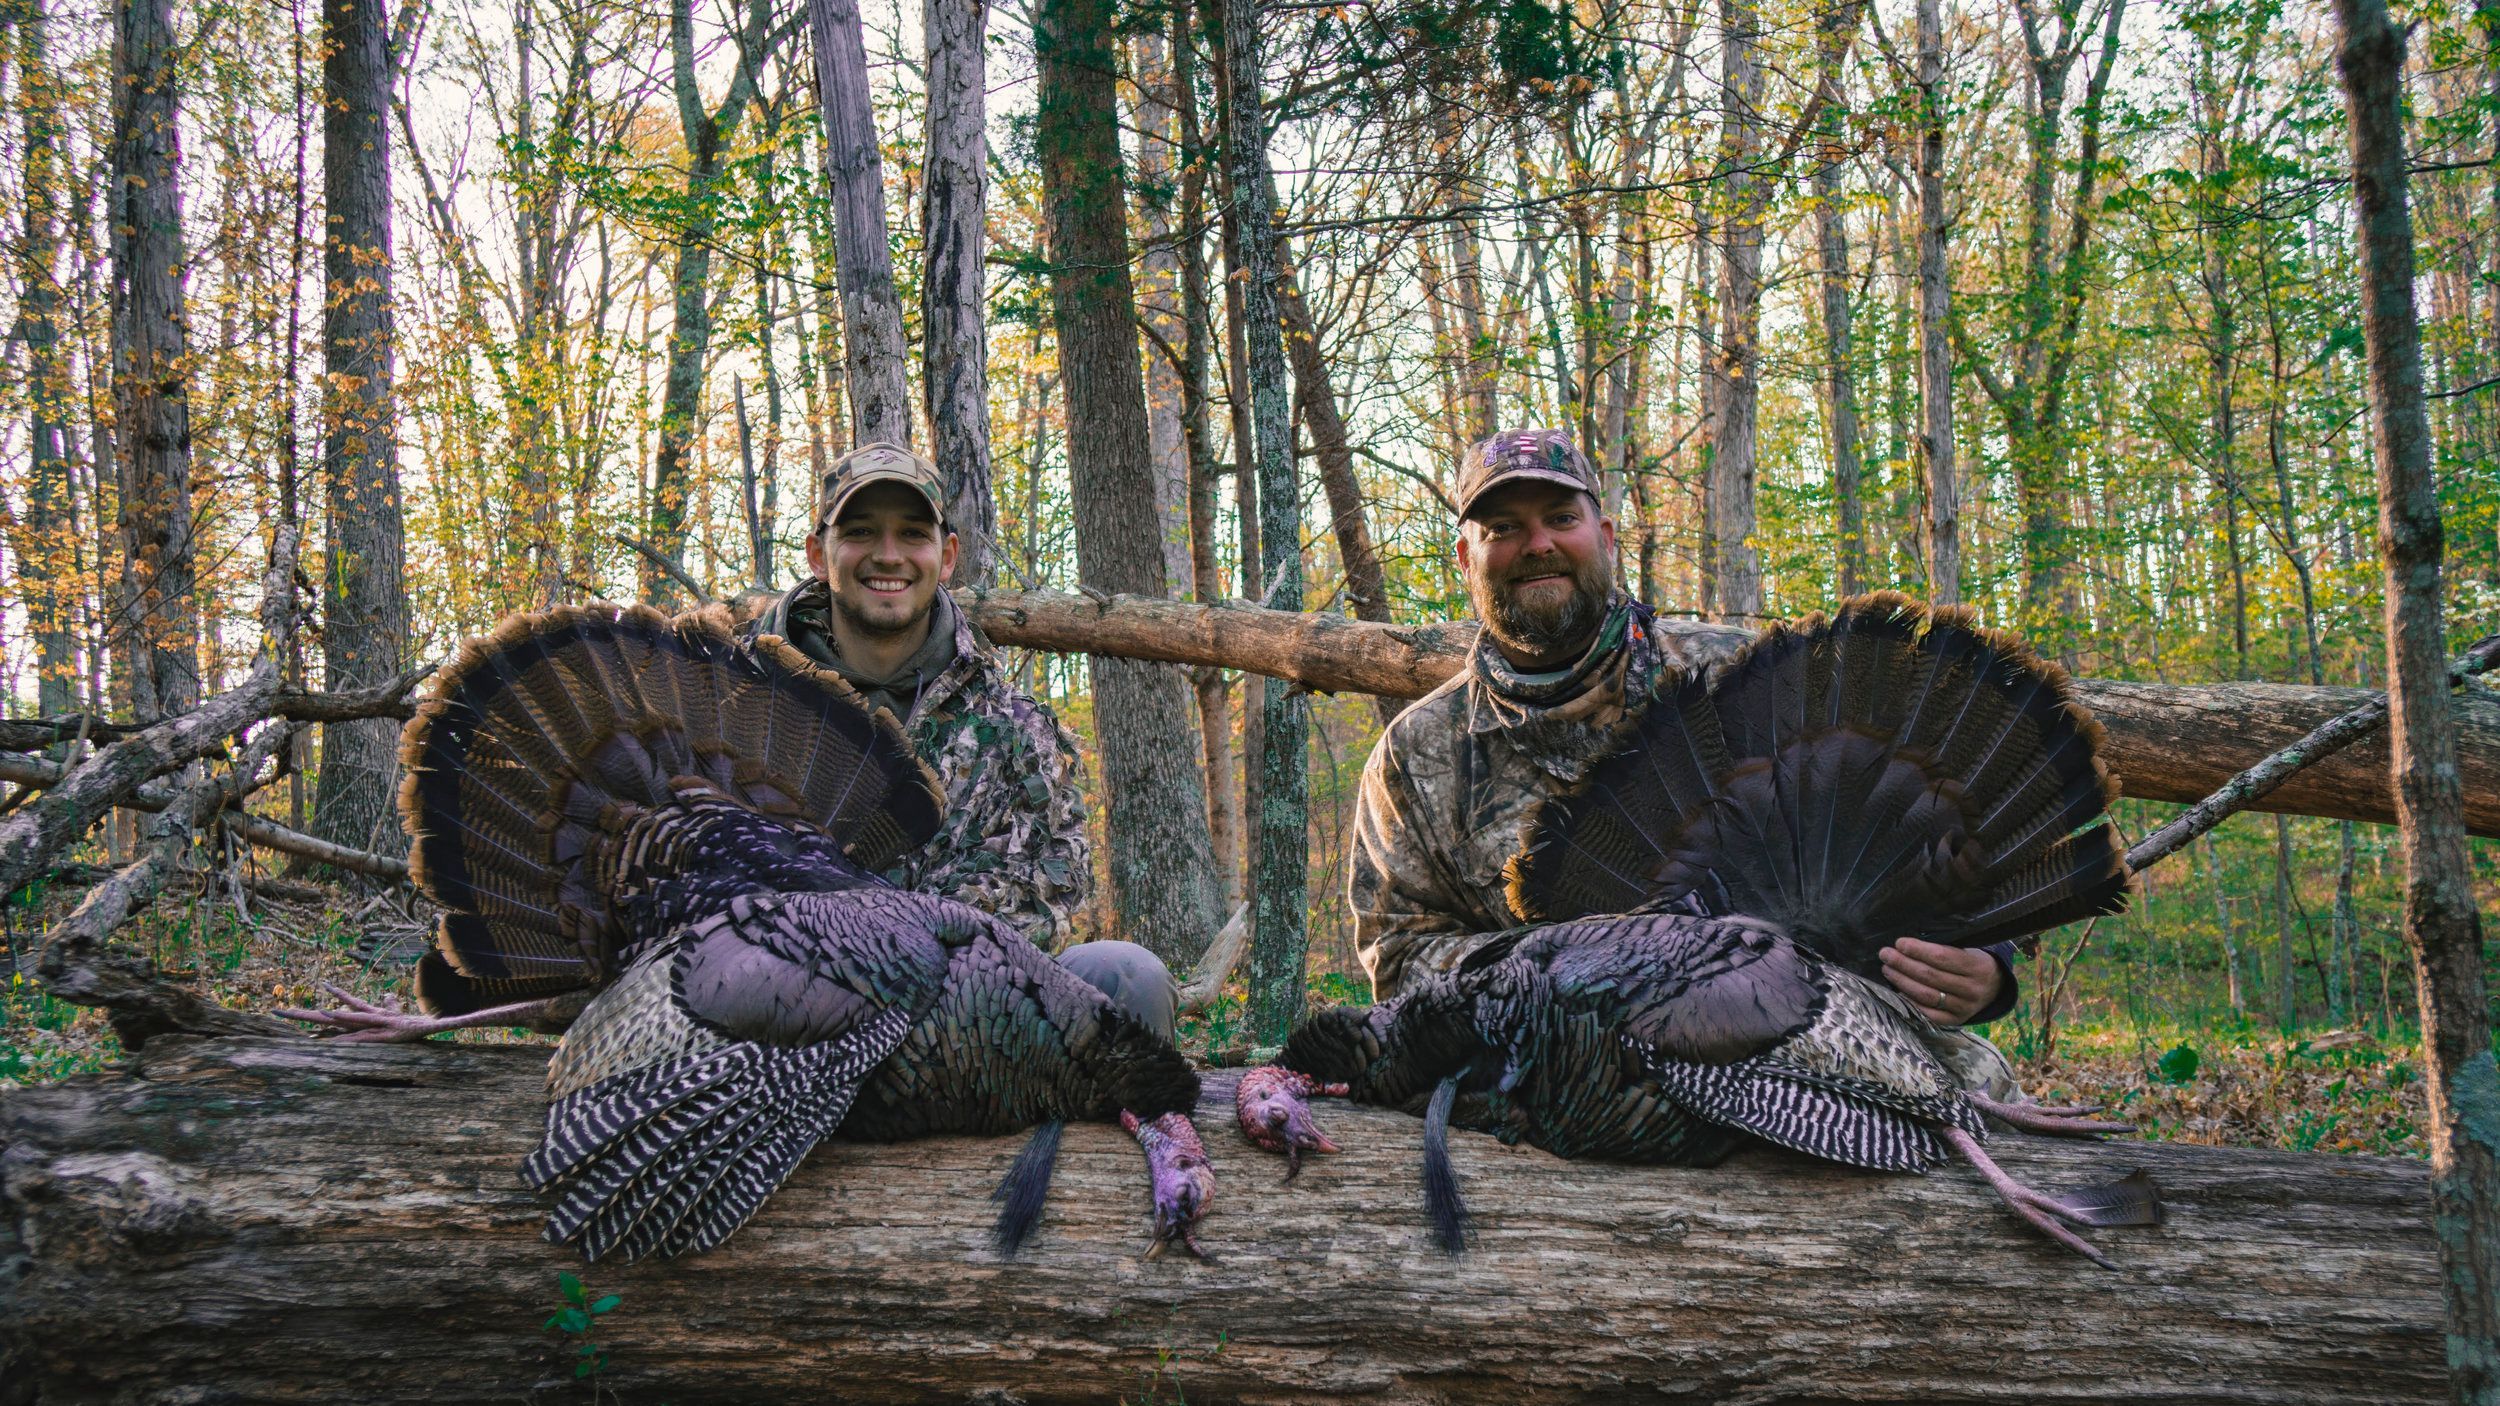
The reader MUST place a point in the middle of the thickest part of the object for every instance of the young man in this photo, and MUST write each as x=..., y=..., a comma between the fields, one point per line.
x=875, y=611
x=1447, y=792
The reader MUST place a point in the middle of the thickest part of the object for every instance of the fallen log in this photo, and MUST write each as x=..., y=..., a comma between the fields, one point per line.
x=275, y=1220
x=2167, y=742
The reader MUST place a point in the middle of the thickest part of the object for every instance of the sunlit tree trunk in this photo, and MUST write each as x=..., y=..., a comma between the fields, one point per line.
x=1833, y=29
x=1735, y=563
x=1159, y=297
x=872, y=314
x=364, y=638
x=707, y=135
x=152, y=366
x=2442, y=922
x=1944, y=514
x=46, y=542
x=954, y=358
x=1162, y=878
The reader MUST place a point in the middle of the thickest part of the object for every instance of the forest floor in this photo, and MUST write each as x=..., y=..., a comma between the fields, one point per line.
x=2232, y=1084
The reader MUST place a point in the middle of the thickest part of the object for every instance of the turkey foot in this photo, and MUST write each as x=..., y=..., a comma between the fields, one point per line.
x=1184, y=1181
x=2049, y=1119
x=1269, y=1104
x=2132, y=1200
x=362, y=1022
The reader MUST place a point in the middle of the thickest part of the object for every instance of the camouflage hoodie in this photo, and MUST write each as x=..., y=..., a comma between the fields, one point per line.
x=1014, y=841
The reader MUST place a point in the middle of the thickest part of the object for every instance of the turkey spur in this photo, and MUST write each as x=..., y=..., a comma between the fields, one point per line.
x=617, y=802
x=1760, y=834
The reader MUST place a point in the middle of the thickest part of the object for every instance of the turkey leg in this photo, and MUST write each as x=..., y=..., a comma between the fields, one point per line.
x=362, y=1022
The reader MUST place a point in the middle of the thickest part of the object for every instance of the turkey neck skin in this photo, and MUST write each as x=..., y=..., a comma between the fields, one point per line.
x=1013, y=1041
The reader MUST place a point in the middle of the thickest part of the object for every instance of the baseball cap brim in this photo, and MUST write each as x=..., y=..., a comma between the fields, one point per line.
x=1523, y=474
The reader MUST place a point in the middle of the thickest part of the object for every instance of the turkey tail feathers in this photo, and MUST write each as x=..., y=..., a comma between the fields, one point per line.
x=1888, y=770
x=534, y=769
x=1026, y=1186
x=1443, y=1204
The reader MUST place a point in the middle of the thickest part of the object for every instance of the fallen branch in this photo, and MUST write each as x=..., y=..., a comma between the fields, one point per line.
x=388, y=699
x=259, y=1212
x=1215, y=967
x=33, y=834
x=2167, y=742
x=268, y=834
x=2252, y=785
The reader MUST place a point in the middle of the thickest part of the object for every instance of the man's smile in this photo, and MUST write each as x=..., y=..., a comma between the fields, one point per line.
x=886, y=585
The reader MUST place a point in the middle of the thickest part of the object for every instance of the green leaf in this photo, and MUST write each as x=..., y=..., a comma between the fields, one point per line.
x=2178, y=1066
x=573, y=1320
x=609, y=1302
x=571, y=1286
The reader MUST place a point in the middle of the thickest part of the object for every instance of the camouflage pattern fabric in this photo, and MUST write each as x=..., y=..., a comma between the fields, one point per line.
x=1447, y=793
x=1013, y=844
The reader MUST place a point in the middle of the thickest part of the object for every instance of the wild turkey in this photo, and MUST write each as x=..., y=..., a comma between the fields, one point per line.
x=1767, y=831
x=617, y=800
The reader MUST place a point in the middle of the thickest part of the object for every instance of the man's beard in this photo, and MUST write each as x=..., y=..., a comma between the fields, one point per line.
x=877, y=629
x=1536, y=629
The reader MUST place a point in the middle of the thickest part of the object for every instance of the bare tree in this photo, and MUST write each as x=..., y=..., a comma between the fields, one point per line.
x=1280, y=910
x=707, y=134
x=872, y=313
x=954, y=349
x=2441, y=920
x=1736, y=368
x=364, y=636
x=1834, y=27
x=1163, y=886
x=159, y=614
x=46, y=540
x=1944, y=514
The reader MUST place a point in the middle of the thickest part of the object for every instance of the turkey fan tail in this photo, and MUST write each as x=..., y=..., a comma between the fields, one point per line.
x=1888, y=770
x=563, y=757
x=1443, y=1204
x=1026, y=1186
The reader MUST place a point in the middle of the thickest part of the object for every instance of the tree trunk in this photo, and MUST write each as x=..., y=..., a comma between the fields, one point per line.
x=2442, y=923
x=152, y=365
x=1245, y=469
x=1215, y=727
x=1159, y=300
x=46, y=542
x=364, y=638
x=389, y=1252
x=707, y=137
x=1162, y=880
x=1944, y=513
x=954, y=357
x=1281, y=883
x=872, y=315
x=1835, y=26
x=1367, y=586
x=1736, y=566
x=2166, y=742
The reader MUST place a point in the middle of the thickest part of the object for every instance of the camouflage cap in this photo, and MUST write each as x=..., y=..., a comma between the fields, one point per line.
x=878, y=463
x=1548, y=456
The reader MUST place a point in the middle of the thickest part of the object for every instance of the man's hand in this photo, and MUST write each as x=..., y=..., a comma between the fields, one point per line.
x=1949, y=985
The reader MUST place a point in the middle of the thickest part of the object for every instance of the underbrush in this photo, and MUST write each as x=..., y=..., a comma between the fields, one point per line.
x=2233, y=1086
x=257, y=954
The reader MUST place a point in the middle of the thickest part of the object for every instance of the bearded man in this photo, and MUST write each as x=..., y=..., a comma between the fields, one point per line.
x=1448, y=791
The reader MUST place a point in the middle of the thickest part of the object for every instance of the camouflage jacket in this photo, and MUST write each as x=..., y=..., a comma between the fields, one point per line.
x=1447, y=792
x=1013, y=844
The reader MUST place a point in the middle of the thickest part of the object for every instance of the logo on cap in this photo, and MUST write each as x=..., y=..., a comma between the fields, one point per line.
x=1545, y=455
